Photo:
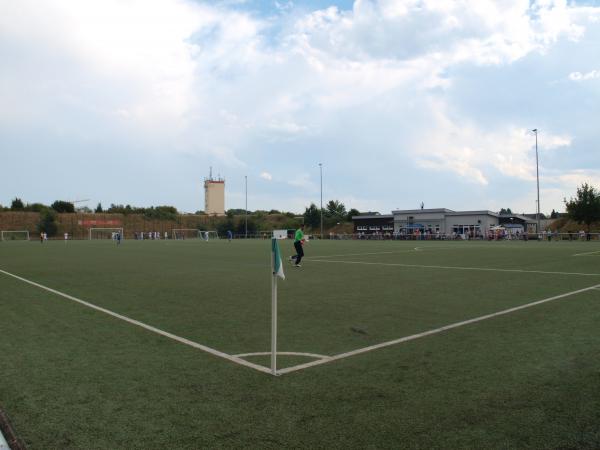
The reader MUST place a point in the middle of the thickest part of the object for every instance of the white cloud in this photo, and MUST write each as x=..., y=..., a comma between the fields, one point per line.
x=304, y=181
x=226, y=87
x=578, y=76
x=464, y=149
x=266, y=176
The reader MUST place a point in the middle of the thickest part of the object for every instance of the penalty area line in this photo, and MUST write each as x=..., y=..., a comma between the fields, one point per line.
x=166, y=334
x=587, y=253
x=430, y=332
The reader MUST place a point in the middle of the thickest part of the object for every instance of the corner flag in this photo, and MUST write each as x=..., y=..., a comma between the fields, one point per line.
x=277, y=266
x=277, y=271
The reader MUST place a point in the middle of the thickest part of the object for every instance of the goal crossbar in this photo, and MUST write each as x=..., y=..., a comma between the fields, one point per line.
x=175, y=232
x=5, y=233
x=114, y=230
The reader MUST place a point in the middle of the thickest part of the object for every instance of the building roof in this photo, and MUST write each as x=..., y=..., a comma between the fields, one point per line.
x=473, y=213
x=445, y=211
x=417, y=211
x=524, y=218
x=377, y=216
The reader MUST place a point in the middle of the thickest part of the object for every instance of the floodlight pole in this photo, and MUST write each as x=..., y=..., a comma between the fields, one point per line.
x=246, y=228
x=537, y=174
x=321, y=174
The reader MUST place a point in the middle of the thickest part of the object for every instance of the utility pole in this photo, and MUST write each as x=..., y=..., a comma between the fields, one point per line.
x=321, y=173
x=246, y=182
x=537, y=174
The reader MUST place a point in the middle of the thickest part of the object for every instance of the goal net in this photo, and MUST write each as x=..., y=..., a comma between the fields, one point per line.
x=186, y=233
x=105, y=233
x=9, y=235
x=206, y=235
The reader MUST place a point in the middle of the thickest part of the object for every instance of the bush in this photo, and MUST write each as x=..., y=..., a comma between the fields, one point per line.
x=35, y=207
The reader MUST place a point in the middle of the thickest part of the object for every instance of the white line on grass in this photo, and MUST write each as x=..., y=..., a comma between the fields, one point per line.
x=3, y=443
x=487, y=269
x=430, y=332
x=358, y=254
x=587, y=253
x=185, y=341
x=309, y=355
x=412, y=250
x=421, y=249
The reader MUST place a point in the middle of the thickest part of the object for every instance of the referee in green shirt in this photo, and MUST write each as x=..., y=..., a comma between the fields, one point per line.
x=298, y=241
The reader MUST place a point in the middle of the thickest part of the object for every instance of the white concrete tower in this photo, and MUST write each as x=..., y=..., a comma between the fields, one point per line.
x=214, y=195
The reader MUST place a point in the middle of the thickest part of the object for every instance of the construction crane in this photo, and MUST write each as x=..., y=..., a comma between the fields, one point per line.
x=79, y=201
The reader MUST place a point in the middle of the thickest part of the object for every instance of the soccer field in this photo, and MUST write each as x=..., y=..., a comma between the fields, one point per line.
x=383, y=344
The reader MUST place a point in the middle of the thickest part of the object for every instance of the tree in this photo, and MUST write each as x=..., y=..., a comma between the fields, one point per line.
x=159, y=212
x=16, y=205
x=336, y=209
x=506, y=211
x=226, y=225
x=585, y=207
x=312, y=216
x=47, y=223
x=98, y=208
x=61, y=206
x=351, y=213
x=237, y=211
x=241, y=226
x=35, y=207
x=554, y=215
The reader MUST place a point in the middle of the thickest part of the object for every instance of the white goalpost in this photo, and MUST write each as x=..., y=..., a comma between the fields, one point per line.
x=193, y=233
x=14, y=235
x=210, y=235
x=105, y=233
x=185, y=233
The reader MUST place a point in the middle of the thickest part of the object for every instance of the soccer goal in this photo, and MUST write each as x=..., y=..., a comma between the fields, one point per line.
x=106, y=233
x=206, y=235
x=10, y=235
x=186, y=233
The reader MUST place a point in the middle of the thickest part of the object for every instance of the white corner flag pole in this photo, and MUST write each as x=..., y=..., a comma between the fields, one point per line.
x=273, y=312
x=276, y=271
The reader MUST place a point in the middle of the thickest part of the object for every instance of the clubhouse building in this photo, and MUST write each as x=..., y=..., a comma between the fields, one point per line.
x=440, y=222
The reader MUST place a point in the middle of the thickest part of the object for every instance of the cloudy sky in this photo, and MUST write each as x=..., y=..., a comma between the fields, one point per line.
x=402, y=101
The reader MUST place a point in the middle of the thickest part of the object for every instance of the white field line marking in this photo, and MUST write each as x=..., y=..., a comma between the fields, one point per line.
x=430, y=332
x=417, y=249
x=587, y=253
x=359, y=254
x=412, y=250
x=487, y=269
x=3, y=443
x=185, y=341
x=310, y=355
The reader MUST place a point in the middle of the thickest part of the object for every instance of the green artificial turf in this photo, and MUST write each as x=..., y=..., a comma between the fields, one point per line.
x=73, y=377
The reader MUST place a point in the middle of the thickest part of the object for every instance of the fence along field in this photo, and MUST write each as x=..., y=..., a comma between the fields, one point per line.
x=78, y=224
